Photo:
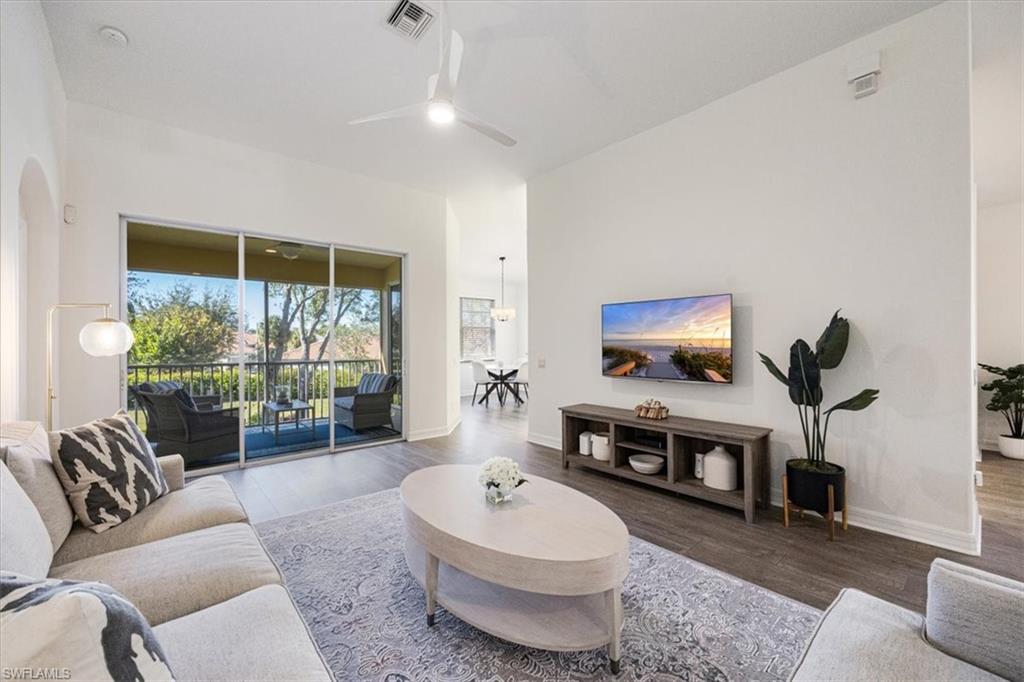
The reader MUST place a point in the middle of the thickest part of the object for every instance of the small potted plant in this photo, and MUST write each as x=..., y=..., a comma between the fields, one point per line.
x=808, y=478
x=500, y=476
x=1008, y=398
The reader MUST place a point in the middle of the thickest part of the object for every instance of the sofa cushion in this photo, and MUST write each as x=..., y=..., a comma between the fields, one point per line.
x=25, y=448
x=176, y=576
x=978, y=617
x=861, y=637
x=25, y=546
x=109, y=471
x=272, y=645
x=203, y=503
x=345, y=402
x=84, y=628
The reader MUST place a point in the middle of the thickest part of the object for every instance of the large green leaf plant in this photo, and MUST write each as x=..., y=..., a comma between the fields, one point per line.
x=1007, y=396
x=803, y=380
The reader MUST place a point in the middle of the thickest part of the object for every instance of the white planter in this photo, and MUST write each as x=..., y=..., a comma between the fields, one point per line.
x=1011, y=447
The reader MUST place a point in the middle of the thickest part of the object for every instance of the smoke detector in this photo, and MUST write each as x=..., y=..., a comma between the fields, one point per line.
x=410, y=19
x=113, y=37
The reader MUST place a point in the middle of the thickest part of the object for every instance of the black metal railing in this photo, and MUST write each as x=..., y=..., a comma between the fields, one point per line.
x=307, y=380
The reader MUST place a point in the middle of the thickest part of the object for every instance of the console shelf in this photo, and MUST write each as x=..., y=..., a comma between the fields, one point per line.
x=683, y=438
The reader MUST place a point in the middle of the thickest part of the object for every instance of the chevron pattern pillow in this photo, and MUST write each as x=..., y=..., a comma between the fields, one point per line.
x=72, y=630
x=108, y=470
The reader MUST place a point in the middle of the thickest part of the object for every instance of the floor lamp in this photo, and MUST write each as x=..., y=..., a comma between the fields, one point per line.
x=102, y=337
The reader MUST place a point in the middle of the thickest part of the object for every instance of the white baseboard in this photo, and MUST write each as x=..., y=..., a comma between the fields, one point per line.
x=439, y=432
x=918, y=531
x=544, y=441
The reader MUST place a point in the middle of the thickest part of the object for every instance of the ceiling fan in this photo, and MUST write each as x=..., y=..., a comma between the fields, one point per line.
x=440, y=105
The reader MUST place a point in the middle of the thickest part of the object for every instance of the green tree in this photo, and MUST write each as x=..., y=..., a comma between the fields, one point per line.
x=183, y=326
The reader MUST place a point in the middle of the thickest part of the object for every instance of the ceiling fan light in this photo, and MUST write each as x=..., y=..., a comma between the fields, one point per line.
x=441, y=112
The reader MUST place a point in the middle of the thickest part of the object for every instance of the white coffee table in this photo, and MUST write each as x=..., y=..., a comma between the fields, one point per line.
x=544, y=569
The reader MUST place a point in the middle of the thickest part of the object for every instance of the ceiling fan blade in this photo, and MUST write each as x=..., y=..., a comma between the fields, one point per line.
x=401, y=112
x=487, y=129
x=451, y=58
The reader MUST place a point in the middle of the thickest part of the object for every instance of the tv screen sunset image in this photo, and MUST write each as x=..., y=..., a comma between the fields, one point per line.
x=681, y=339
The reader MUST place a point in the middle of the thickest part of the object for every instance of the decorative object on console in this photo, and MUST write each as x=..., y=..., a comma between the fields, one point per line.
x=500, y=476
x=585, y=438
x=1008, y=399
x=815, y=483
x=698, y=465
x=601, y=447
x=719, y=469
x=651, y=409
x=647, y=464
x=102, y=337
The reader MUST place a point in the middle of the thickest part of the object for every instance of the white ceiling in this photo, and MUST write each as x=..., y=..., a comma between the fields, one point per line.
x=997, y=101
x=564, y=78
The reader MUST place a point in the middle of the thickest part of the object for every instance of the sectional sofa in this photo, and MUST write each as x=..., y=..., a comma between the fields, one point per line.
x=190, y=562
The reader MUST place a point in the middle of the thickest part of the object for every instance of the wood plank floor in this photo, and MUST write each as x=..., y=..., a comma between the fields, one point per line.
x=796, y=562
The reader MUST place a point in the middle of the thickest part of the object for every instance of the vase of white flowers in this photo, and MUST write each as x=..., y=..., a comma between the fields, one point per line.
x=500, y=476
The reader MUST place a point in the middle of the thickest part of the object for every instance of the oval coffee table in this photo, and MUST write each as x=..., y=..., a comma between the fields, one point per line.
x=544, y=569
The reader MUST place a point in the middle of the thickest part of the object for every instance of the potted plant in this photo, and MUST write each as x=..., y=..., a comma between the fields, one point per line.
x=808, y=478
x=1008, y=398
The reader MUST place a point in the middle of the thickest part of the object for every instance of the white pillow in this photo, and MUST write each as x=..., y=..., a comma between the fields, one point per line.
x=70, y=630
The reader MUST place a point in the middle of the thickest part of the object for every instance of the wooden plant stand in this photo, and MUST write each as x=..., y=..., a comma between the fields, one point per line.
x=830, y=518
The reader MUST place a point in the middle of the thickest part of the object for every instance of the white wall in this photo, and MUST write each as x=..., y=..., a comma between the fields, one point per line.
x=1000, y=301
x=799, y=199
x=119, y=165
x=32, y=125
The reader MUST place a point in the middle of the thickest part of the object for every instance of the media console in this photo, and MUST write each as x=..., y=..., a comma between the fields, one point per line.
x=678, y=440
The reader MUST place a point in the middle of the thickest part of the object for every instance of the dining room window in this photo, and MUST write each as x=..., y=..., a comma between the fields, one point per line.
x=477, y=328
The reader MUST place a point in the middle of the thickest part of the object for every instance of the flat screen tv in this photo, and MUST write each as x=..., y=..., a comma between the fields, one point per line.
x=671, y=339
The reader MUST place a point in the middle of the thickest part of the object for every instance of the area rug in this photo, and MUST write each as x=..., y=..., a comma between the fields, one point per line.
x=345, y=568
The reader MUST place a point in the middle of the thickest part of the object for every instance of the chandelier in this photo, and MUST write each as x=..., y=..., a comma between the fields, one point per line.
x=503, y=314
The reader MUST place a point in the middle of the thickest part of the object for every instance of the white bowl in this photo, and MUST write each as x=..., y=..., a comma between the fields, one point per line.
x=646, y=464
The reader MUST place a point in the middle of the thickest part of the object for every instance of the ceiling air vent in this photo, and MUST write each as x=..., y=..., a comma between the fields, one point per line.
x=410, y=19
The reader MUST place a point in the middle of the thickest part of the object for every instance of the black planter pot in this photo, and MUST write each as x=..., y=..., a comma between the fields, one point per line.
x=808, y=488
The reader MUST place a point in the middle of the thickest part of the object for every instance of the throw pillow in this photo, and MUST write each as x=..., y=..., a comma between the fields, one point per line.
x=108, y=470
x=71, y=630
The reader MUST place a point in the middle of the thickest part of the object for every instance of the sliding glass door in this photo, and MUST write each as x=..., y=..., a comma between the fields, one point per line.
x=183, y=373
x=250, y=347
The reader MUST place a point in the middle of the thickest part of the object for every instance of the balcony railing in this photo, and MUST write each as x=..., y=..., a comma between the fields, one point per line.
x=309, y=381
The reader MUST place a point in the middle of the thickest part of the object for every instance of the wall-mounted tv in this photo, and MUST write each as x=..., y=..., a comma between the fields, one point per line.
x=671, y=339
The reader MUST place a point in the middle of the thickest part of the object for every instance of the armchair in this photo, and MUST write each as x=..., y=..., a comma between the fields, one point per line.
x=200, y=402
x=367, y=405
x=185, y=429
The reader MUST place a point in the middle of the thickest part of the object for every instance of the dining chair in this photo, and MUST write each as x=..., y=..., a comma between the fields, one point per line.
x=523, y=378
x=483, y=378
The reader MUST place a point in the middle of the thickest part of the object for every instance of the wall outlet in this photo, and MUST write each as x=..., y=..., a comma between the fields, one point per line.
x=541, y=363
x=979, y=480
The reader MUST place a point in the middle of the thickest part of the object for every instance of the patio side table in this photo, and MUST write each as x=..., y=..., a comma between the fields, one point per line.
x=296, y=406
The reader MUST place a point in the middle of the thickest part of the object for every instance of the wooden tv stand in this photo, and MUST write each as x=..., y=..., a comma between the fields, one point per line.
x=680, y=438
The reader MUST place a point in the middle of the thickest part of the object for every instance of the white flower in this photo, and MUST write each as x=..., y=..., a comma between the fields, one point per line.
x=501, y=472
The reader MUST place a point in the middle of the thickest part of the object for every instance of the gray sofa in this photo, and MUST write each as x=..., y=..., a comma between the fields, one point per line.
x=973, y=630
x=367, y=405
x=190, y=562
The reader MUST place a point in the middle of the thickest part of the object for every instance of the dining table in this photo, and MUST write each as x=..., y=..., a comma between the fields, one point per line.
x=504, y=384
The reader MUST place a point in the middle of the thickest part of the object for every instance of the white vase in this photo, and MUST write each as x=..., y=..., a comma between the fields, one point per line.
x=1011, y=447
x=585, y=442
x=601, y=447
x=720, y=469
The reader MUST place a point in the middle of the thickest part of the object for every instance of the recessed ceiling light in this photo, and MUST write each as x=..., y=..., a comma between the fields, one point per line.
x=113, y=37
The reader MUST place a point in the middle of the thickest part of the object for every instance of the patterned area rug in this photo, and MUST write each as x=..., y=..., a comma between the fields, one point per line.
x=345, y=568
